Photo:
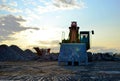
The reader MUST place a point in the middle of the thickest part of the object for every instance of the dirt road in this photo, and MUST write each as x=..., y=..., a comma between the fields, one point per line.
x=50, y=71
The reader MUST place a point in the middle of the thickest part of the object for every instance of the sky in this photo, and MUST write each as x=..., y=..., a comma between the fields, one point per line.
x=40, y=23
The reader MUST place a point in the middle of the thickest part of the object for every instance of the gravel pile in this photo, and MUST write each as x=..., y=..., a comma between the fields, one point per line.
x=14, y=53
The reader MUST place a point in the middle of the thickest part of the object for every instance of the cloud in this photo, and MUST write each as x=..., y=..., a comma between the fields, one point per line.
x=68, y=4
x=54, y=45
x=13, y=4
x=8, y=8
x=10, y=24
x=3, y=1
x=54, y=5
x=49, y=43
x=29, y=2
x=41, y=6
x=61, y=5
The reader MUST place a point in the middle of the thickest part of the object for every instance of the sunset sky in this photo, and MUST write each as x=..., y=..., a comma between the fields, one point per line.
x=29, y=23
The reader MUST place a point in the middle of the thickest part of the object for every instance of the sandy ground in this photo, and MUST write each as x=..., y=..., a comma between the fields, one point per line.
x=50, y=71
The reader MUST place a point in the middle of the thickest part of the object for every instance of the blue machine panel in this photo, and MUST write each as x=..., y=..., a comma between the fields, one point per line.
x=73, y=54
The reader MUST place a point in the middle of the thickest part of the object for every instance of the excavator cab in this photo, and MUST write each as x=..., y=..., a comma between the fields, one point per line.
x=85, y=38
